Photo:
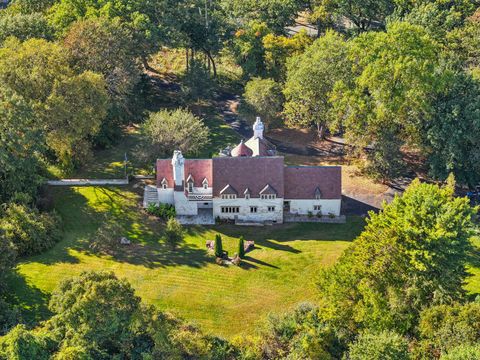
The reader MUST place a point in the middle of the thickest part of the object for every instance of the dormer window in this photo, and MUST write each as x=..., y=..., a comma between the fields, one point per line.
x=318, y=194
x=228, y=192
x=164, y=184
x=229, y=196
x=205, y=183
x=247, y=193
x=190, y=184
x=268, y=193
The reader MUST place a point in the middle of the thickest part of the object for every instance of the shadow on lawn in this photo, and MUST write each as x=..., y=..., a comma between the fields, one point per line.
x=31, y=301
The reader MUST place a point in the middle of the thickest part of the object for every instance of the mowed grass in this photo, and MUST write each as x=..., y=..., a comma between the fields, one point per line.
x=227, y=301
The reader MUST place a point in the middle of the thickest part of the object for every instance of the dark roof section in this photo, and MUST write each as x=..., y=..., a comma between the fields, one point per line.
x=268, y=190
x=241, y=150
x=248, y=172
x=301, y=182
x=199, y=169
x=228, y=190
x=165, y=170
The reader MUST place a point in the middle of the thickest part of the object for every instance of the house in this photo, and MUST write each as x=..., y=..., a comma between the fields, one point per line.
x=253, y=184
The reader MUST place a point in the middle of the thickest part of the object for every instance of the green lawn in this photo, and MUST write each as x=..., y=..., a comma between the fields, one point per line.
x=279, y=273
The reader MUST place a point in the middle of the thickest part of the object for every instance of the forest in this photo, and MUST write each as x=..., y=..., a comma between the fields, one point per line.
x=397, y=80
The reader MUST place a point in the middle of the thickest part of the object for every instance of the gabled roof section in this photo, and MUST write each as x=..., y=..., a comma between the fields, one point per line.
x=261, y=147
x=190, y=178
x=302, y=182
x=247, y=191
x=268, y=190
x=241, y=150
x=317, y=193
x=248, y=172
x=199, y=169
x=164, y=171
x=228, y=190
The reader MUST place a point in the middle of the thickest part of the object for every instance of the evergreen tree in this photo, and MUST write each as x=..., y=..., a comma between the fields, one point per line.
x=218, y=246
x=241, y=248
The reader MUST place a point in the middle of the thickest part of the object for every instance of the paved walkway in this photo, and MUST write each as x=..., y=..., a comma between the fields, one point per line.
x=87, y=182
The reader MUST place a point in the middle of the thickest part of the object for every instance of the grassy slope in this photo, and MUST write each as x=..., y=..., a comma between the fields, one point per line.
x=224, y=300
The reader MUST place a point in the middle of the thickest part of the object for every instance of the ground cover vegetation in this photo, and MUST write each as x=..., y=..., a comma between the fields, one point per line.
x=391, y=77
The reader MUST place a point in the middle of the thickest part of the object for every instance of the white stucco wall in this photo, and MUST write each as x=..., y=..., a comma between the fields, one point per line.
x=183, y=206
x=262, y=213
x=165, y=196
x=302, y=207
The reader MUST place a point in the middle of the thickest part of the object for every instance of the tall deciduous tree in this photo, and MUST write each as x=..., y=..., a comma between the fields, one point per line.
x=69, y=108
x=311, y=78
x=168, y=130
x=411, y=255
x=384, y=107
x=263, y=97
x=24, y=26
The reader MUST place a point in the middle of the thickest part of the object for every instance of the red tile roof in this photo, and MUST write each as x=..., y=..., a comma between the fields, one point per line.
x=253, y=173
x=241, y=150
x=199, y=169
x=165, y=170
x=302, y=181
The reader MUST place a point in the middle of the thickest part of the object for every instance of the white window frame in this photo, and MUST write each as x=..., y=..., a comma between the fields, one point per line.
x=205, y=184
x=317, y=207
x=190, y=186
x=271, y=208
x=253, y=209
x=229, y=196
x=268, y=196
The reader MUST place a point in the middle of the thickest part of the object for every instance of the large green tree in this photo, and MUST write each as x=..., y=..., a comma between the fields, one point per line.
x=311, y=78
x=394, y=77
x=69, y=108
x=24, y=26
x=411, y=255
x=263, y=97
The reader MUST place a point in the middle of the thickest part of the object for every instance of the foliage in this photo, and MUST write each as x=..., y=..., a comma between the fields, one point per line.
x=218, y=247
x=107, y=236
x=463, y=352
x=23, y=26
x=163, y=211
x=29, y=6
x=276, y=14
x=263, y=97
x=241, y=247
x=107, y=47
x=445, y=327
x=464, y=42
x=453, y=134
x=39, y=72
x=169, y=130
x=174, y=234
x=384, y=105
x=20, y=147
x=385, y=345
x=311, y=77
x=197, y=83
x=23, y=344
x=423, y=239
x=29, y=231
x=298, y=334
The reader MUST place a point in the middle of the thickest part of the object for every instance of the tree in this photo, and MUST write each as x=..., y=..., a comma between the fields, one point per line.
x=168, y=130
x=29, y=231
x=29, y=6
x=464, y=42
x=452, y=136
x=39, y=72
x=411, y=255
x=218, y=248
x=24, y=27
x=385, y=345
x=311, y=78
x=445, y=327
x=22, y=344
x=173, y=233
x=383, y=106
x=241, y=247
x=463, y=352
x=20, y=146
x=107, y=47
x=263, y=97
x=364, y=14
x=276, y=14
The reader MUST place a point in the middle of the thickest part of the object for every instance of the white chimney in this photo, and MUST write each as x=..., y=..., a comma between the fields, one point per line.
x=178, y=167
x=258, y=129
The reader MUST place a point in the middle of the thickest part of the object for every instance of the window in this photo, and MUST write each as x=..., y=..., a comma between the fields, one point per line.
x=230, y=209
x=317, y=207
x=164, y=186
x=318, y=196
x=271, y=208
x=268, y=196
x=253, y=209
x=205, y=184
x=229, y=196
x=247, y=196
x=190, y=187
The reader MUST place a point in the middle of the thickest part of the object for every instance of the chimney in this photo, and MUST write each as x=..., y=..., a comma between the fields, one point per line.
x=178, y=167
x=258, y=129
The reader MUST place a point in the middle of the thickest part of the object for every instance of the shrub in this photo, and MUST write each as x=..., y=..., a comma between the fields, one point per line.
x=379, y=346
x=28, y=230
x=218, y=246
x=310, y=214
x=241, y=247
x=163, y=211
x=173, y=233
x=107, y=236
